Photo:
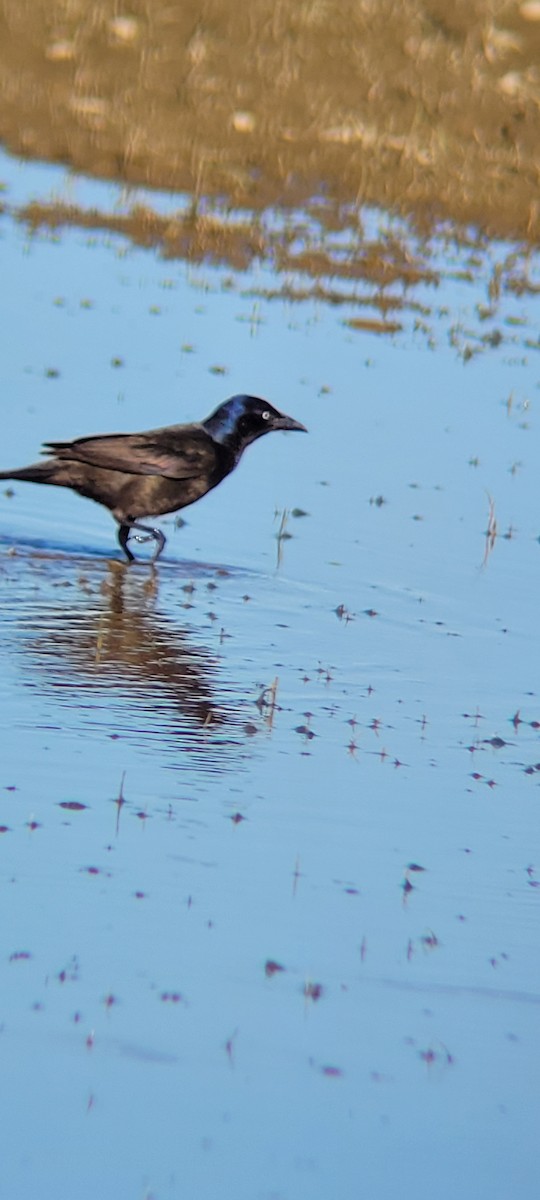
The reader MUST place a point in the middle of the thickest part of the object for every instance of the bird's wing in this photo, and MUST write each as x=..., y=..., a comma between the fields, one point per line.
x=181, y=453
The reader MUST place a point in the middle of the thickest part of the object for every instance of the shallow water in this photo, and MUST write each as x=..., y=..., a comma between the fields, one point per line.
x=269, y=812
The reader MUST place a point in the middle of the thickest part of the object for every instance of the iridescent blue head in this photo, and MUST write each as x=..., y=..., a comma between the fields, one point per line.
x=243, y=419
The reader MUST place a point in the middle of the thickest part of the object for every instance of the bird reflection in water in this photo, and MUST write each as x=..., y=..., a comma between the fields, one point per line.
x=119, y=662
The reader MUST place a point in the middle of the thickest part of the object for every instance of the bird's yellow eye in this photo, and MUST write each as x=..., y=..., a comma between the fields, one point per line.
x=265, y=415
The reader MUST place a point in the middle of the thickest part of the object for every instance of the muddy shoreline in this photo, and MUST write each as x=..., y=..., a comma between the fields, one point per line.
x=430, y=113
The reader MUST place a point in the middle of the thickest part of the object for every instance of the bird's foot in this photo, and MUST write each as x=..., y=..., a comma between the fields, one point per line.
x=141, y=533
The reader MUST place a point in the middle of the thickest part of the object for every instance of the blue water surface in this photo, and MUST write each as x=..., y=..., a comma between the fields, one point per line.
x=269, y=863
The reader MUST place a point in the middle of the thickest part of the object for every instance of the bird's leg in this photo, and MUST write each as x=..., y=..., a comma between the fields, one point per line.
x=155, y=535
x=123, y=535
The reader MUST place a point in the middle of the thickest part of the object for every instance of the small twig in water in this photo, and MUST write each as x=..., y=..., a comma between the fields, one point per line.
x=282, y=534
x=491, y=531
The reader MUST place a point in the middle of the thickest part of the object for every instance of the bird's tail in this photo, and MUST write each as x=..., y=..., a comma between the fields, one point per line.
x=40, y=472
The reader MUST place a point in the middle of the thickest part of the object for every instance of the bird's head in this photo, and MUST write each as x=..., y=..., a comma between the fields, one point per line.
x=243, y=419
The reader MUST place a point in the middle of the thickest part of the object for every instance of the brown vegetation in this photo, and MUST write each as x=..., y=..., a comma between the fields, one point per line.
x=418, y=106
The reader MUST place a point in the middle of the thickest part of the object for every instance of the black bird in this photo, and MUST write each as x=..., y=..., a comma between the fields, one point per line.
x=160, y=470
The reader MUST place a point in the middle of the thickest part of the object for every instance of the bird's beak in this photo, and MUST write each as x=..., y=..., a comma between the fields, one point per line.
x=288, y=423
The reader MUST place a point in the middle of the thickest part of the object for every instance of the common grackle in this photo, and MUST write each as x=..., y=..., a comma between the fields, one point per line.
x=160, y=470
